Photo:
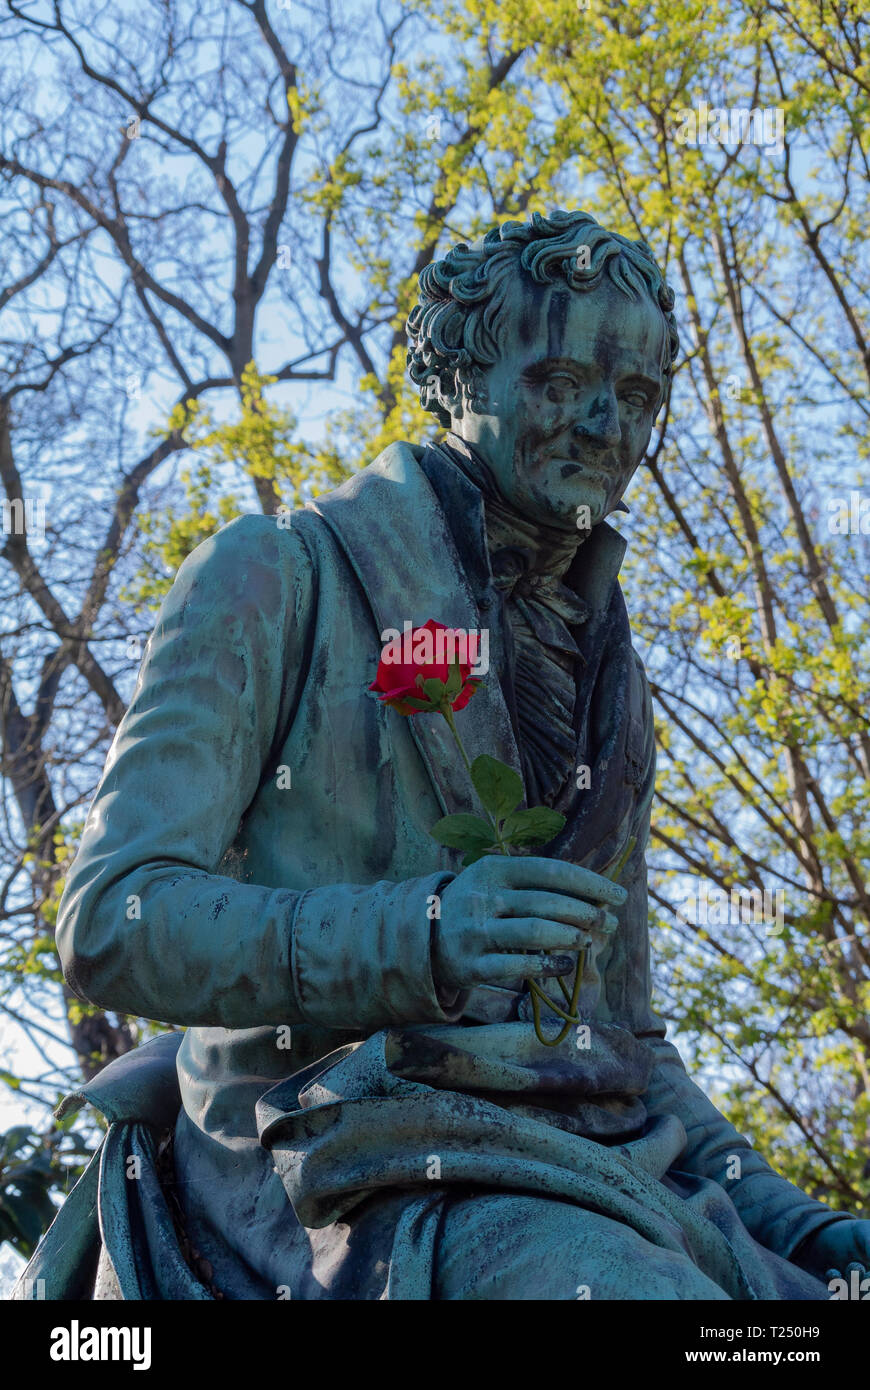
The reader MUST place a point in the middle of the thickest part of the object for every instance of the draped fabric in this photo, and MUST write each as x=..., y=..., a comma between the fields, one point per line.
x=354, y=1145
x=528, y=562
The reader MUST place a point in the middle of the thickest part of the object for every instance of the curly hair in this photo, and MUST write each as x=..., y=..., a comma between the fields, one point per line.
x=453, y=328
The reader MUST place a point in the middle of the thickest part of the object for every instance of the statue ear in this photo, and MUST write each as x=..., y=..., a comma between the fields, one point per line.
x=471, y=386
x=454, y=391
x=442, y=394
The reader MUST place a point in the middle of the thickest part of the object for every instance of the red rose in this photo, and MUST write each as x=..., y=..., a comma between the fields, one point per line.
x=399, y=683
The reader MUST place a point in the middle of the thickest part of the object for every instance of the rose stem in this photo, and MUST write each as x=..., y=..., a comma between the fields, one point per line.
x=537, y=993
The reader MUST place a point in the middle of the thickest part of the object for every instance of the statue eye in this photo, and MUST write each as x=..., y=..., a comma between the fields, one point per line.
x=558, y=387
x=638, y=399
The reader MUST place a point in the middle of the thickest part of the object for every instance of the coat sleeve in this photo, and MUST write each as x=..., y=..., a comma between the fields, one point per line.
x=149, y=924
x=775, y=1212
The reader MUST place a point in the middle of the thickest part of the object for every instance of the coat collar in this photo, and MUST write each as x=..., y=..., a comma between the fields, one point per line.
x=390, y=524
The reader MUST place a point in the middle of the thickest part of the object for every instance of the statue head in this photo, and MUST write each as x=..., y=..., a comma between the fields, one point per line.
x=548, y=346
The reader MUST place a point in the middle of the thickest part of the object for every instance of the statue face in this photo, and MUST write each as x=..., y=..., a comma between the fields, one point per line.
x=569, y=406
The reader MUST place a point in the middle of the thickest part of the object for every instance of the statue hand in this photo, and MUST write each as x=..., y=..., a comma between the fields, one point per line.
x=831, y=1251
x=502, y=913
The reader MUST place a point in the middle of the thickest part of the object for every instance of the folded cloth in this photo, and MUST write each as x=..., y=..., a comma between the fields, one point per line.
x=373, y=1149
x=106, y=1216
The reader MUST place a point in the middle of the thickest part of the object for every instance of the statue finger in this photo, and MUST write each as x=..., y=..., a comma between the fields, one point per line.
x=555, y=875
x=558, y=907
x=535, y=934
x=510, y=969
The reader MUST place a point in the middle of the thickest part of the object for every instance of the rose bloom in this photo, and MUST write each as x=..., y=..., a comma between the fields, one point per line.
x=396, y=680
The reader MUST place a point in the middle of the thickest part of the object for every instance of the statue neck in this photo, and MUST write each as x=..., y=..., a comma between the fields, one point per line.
x=548, y=549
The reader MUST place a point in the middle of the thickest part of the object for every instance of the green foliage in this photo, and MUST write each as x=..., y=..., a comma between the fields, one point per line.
x=498, y=786
x=32, y=1167
x=500, y=789
x=258, y=445
x=463, y=831
x=535, y=826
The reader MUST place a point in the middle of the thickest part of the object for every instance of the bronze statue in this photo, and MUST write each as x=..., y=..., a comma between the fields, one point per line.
x=362, y=1105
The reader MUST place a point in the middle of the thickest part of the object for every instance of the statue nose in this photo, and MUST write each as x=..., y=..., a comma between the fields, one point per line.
x=598, y=423
x=602, y=433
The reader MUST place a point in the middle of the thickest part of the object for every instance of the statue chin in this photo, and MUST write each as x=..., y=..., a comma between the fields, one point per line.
x=560, y=506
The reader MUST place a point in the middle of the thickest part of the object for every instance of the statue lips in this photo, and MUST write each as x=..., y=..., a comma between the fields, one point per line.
x=603, y=477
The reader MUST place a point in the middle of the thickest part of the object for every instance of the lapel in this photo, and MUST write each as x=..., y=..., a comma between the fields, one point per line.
x=593, y=572
x=388, y=522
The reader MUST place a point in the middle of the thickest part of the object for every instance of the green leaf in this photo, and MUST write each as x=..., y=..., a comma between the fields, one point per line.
x=23, y=1215
x=536, y=826
x=454, y=682
x=462, y=832
x=498, y=786
x=472, y=857
x=15, y=1139
x=434, y=689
